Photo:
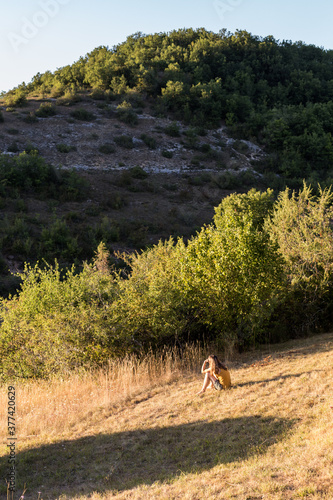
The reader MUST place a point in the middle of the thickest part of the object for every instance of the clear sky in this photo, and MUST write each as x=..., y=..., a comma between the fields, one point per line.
x=40, y=35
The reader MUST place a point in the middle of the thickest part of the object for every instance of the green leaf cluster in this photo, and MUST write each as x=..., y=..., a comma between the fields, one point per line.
x=29, y=172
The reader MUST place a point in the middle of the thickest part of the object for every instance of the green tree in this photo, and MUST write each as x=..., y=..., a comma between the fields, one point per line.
x=232, y=272
x=150, y=309
x=301, y=226
x=58, y=322
x=175, y=95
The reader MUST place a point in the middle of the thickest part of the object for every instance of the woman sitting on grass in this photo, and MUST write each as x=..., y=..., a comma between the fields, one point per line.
x=217, y=375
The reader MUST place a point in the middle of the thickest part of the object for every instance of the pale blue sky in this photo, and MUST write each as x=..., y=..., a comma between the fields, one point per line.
x=40, y=35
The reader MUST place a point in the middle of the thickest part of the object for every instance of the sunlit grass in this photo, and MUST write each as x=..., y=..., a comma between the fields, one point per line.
x=53, y=407
x=137, y=430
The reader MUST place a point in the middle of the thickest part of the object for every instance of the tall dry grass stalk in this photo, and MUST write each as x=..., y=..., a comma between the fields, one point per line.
x=55, y=406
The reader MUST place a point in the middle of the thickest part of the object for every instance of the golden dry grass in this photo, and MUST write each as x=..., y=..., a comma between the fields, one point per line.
x=119, y=433
x=51, y=408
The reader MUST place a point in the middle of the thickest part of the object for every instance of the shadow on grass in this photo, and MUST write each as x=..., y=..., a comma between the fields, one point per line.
x=125, y=460
x=273, y=379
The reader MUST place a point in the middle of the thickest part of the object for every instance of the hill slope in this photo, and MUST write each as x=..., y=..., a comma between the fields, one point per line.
x=270, y=436
x=199, y=113
x=87, y=127
x=141, y=182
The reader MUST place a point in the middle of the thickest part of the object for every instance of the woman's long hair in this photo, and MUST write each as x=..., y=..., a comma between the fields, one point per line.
x=215, y=364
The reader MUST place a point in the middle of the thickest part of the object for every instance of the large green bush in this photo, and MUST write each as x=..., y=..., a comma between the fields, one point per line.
x=57, y=322
x=83, y=115
x=16, y=98
x=126, y=114
x=29, y=172
x=232, y=272
x=45, y=110
x=150, y=307
x=301, y=227
x=26, y=171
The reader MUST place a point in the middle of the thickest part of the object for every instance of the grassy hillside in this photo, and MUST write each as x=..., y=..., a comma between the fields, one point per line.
x=139, y=431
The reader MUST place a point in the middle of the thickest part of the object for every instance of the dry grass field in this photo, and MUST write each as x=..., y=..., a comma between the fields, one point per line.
x=138, y=430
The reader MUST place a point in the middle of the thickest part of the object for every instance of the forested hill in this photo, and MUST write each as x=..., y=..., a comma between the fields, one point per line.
x=276, y=93
x=261, y=270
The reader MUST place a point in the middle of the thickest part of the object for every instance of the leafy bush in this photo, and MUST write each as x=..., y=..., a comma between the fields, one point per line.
x=26, y=171
x=107, y=148
x=65, y=148
x=30, y=118
x=31, y=149
x=124, y=141
x=107, y=231
x=83, y=115
x=58, y=322
x=58, y=240
x=30, y=172
x=16, y=98
x=167, y=154
x=13, y=147
x=149, y=141
x=232, y=272
x=116, y=201
x=138, y=173
x=126, y=114
x=94, y=136
x=150, y=304
x=260, y=265
x=45, y=110
x=227, y=180
x=201, y=131
x=69, y=98
x=301, y=226
x=241, y=146
x=173, y=130
x=205, y=148
x=199, y=180
x=72, y=186
x=57, y=90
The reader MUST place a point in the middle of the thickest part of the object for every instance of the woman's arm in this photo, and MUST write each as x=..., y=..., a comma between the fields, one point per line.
x=203, y=370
